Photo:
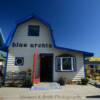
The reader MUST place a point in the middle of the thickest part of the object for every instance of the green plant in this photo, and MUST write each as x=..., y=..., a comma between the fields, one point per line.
x=84, y=81
x=12, y=84
x=62, y=81
x=27, y=82
x=29, y=71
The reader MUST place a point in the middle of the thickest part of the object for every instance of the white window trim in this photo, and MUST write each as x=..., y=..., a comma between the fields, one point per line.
x=72, y=63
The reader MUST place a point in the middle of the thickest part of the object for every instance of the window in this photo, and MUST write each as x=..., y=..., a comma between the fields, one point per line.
x=65, y=63
x=33, y=30
x=19, y=61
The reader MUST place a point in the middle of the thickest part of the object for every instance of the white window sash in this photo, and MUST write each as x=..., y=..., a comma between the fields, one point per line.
x=72, y=63
x=61, y=64
x=72, y=58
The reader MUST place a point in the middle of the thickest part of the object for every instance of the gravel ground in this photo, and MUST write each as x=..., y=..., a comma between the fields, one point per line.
x=68, y=92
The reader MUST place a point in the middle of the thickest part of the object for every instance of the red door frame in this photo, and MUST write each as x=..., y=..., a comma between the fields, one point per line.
x=35, y=58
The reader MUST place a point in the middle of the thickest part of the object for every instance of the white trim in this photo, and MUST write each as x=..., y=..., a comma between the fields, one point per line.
x=72, y=63
x=61, y=64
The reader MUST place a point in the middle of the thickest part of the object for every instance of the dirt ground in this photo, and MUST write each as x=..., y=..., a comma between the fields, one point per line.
x=68, y=92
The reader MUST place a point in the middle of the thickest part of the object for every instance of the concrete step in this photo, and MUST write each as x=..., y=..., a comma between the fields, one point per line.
x=46, y=86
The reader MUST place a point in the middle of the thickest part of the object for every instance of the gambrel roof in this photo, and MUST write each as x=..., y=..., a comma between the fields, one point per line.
x=11, y=35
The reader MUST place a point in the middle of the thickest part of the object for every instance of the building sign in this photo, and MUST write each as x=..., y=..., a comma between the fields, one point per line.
x=32, y=45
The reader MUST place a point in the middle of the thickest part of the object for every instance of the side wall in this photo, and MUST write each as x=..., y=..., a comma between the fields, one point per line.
x=75, y=75
x=21, y=36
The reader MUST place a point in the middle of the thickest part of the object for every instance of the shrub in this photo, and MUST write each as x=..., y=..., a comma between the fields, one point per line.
x=27, y=82
x=84, y=81
x=62, y=80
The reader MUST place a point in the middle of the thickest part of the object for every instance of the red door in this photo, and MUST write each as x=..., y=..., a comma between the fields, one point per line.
x=46, y=67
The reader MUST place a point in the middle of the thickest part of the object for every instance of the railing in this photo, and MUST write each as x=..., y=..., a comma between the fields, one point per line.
x=15, y=78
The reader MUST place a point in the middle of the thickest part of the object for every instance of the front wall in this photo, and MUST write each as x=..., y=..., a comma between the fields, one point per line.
x=21, y=35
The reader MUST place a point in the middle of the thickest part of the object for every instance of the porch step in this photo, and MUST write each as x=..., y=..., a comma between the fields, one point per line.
x=46, y=86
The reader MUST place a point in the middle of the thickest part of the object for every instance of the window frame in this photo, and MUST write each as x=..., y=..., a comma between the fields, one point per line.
x=61, y=64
